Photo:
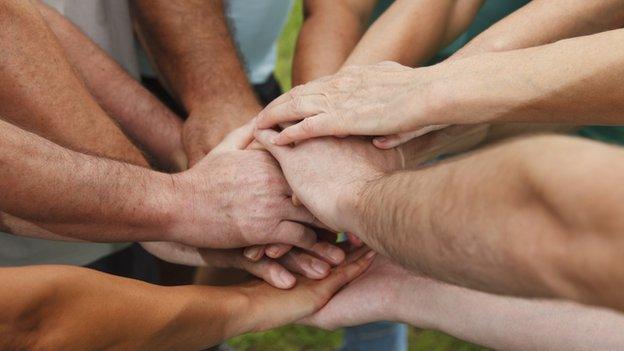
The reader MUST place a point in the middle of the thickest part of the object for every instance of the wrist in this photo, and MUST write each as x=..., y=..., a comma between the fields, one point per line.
x=170, y=198
x=353, y=204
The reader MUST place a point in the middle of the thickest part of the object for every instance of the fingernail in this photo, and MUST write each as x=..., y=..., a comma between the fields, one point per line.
x=381, y=139
x=272, y=252
x=370, y=255
x=319, y=267
x=287, y=279
x=336, y=255
x=252, y=253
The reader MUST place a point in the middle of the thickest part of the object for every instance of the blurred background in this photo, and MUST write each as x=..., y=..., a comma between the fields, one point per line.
x=299, y=338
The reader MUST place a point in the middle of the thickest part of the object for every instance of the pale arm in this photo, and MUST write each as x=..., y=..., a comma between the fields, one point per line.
x=388, y=292
x=525, y=218
x=544, y=21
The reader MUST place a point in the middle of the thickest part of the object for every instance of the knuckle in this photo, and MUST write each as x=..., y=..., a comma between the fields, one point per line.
x=307, y=126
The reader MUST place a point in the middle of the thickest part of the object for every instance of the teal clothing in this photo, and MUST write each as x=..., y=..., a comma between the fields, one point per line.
x=611, y=135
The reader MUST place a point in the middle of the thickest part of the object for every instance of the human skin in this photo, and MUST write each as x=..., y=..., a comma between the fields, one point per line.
x=139, y=114
x=39, y=81
x=325, y=99
x=109, y=201
x=71, y=308
x=78, y=123
x=388, y=292
x=524, y=218
x=191, y=46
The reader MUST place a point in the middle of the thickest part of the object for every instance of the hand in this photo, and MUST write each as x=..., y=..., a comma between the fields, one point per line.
x=382, y=99
x=313, y=264
x=204, y=130
x=377, y=295
x=236, y=198
x=327, y=172
x=273, y=308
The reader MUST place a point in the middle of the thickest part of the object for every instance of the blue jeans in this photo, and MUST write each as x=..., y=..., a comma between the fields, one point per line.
x=377, y=336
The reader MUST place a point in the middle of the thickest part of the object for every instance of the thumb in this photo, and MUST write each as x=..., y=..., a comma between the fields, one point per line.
x=266, y=137
x=238, y=139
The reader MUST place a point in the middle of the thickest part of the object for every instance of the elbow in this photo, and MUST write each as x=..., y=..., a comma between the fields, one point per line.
x=588, y=267
x=581, y=239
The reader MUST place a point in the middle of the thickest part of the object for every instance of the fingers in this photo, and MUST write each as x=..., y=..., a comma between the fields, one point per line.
x=294, y=234
x=265, y=137
x=319, y=125
x=298, y=106
x=238, y=139
x=392, y=141
x=277, y=250
x=255, y=145
x=305, y=264
x=345, y=273
x=270, y=271
x=254, y=253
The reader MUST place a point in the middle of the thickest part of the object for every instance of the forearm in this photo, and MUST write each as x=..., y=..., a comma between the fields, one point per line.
x=329, y=33
x=411, y=32
x=74, y=308
x=142, y=117
x=98, y=199
x=502, y=221
x=575, y=81
x=507, y=323
x=191, y=45
x=42, y=93
x=543, y=21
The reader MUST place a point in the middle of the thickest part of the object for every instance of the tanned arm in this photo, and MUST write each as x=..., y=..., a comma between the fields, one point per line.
x=191, y=45
x=329, y=33
x=42, y=93
x=527, y=218
x=71, y=308
x=411, y=32
x=141, y=115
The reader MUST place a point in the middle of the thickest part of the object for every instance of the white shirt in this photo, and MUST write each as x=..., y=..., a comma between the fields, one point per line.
x=257, y=25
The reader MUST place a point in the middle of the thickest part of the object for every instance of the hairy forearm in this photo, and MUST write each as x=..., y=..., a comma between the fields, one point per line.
x=410, y=32
x=63, y=308
x=191, y=45
x=97, y=199
x=141, y=115
x=544, y=21
x=507, y=323
x=42, y=93
x=329, y=33
x=502, y=221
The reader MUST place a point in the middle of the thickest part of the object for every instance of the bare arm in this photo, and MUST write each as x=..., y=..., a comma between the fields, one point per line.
x=388, y=292
x=543, y=21
x=42, y=93
x=191, y=45
x=524, y=218
x=70, y=308
x=329, y=33
x=411, y=32
x=141, y=115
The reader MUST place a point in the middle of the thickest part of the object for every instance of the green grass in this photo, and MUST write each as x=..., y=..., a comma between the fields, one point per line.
x=299, y=338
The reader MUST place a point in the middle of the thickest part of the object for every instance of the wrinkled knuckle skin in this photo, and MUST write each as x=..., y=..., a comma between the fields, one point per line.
x=307, y=126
